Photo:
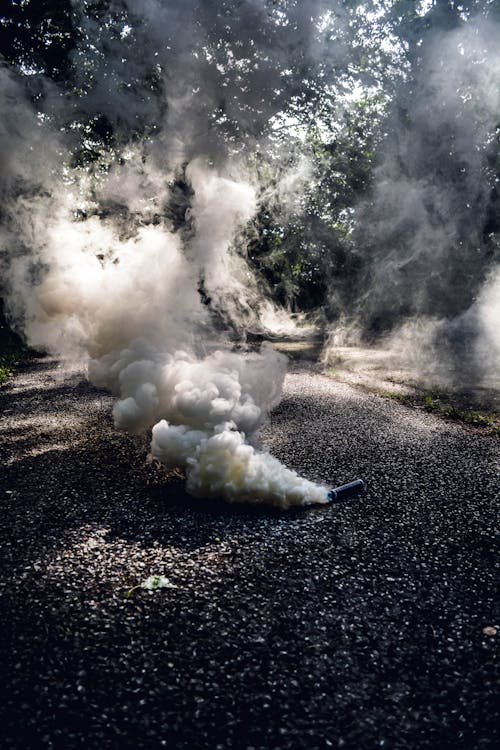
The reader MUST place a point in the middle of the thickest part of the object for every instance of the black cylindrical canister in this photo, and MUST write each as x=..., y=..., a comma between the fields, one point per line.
x=346, y=490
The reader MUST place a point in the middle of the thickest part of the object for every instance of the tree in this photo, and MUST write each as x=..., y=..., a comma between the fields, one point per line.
x=340, y=86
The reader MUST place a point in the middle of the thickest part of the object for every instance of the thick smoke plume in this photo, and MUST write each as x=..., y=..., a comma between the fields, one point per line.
x=132, y=262
x=427, y=234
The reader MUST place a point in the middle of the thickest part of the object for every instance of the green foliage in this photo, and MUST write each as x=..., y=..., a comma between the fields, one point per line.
x=12, y=349
x=5, y=372
x=38, y=36
x=298, y=252
x=332, y=107
x=448, y=406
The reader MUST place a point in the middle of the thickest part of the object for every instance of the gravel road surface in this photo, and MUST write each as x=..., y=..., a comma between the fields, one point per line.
x=370, y=624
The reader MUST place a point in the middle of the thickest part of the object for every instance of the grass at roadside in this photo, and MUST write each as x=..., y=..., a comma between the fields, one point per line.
x=448, y=405
x=12, y=350
x=369, y=370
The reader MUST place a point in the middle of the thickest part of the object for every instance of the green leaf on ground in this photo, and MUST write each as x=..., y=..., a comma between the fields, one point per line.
x=152, y=583
x=157, y=582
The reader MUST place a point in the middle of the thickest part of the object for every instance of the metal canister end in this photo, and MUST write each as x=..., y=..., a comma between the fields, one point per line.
x=346, y=490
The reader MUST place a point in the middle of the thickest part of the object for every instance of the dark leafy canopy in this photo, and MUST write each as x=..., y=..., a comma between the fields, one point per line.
x=342, y=82
x=38, y=36
x=431, y=223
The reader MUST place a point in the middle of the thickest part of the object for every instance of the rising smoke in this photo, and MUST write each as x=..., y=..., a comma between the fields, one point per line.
x=126, y=194
x=97, y=264
x=428, y=233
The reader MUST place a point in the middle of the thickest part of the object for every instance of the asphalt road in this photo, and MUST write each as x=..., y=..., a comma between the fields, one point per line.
x=370, y=624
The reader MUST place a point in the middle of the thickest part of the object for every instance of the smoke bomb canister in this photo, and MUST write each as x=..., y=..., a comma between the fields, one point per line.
x=346, y=490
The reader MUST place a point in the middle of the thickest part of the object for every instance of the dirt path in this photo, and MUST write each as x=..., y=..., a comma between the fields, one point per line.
x=365, y=625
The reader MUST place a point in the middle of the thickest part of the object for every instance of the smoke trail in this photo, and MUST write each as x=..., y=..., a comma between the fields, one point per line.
x=95, y=267
x=222, y=464
x=428, y=230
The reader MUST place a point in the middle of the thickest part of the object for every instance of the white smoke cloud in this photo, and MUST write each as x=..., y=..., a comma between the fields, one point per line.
x=429, y=268
x=488, y=306
x=123, y=293
x=222, y=464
